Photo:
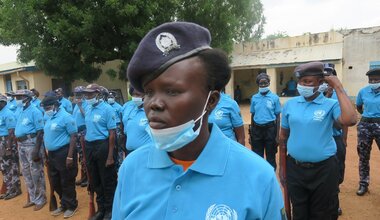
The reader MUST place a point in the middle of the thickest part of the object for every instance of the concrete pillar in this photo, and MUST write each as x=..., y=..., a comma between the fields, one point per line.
x=273, y=79
x=230, y=85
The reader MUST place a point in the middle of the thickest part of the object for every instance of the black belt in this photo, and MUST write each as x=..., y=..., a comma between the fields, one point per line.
x=306, y=164
x=26, y=137
x=269, y=124
x=370, y=120
x=81, y=128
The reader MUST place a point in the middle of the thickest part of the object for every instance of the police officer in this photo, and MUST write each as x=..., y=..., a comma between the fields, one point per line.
x=29, y=132
x=35, y=101
x=307, y=136
x=265, y=116
x=190, y=168
x=135, y=123
x=112, y=95
x=339, y=132
x=227, y=117
x=12, y=105
x=60, y=134
x=9, y=164
x=100, y=122
x=65, y=103
x=368, y=104
x=78, y=114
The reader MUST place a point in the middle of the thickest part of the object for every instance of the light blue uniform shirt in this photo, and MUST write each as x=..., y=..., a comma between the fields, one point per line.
x=99, y=120
x=57, y=130
x=226, y=115
x=371, y=102
x=18, y=112
x=77, y=114
x=12, y=105
x=265, y=107
x=7, y=121
x=29, y=121
x=117, y=107
x=128, y=105
x=310, y=124
x=135, y=123
x=66, y=104
x=220, y=184
x=36, y=102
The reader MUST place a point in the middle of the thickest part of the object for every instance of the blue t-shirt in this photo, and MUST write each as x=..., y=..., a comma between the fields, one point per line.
x=220, y=184
x=135, y=123
x=77, y=114
x=292, y=85
x=117, y=107
x=12, y=105
x=371, y=102
x=336, y=132
x=57, y=130
x=226, y=115
x=7, y=121
x=29, y=121
x=311, y=127
x=265, y=107
x=36, y=102
x=66, y=104
x=99, y=120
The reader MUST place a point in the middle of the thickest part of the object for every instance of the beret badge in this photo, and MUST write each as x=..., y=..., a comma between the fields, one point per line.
x=166, y=42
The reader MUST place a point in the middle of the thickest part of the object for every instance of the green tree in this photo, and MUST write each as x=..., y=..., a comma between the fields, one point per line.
x=67, y=38
x=280, y=34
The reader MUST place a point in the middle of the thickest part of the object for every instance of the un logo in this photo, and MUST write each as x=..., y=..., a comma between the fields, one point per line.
x=221, y=212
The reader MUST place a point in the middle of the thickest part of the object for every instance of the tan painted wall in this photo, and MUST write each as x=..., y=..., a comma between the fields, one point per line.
x=42, y=83
x=360, y=47
x=106, y=81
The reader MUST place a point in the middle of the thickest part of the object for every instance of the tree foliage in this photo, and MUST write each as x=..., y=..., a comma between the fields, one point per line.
x=67, y=38
x=280, y=34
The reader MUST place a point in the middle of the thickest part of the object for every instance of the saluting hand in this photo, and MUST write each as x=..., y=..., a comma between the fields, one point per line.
x=333, y=81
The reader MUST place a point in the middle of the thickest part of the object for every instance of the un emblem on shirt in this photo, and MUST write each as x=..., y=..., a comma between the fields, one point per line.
x=219, y=115
x=96, y=118
x=53, y=126
x=25, y=121
x=269, y=104
x=221, y=212
x=143, y=122
x=319, y=115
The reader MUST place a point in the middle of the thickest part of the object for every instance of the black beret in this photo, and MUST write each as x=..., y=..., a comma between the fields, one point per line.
x=309, y=69
x=162, y=47
x=49, y=100
x=262, y=76
x=50, y=93
x=329, y=68
x=373, y=72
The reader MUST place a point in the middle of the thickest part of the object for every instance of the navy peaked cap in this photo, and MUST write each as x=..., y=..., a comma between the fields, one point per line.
x=309, y=69
x=162, y=47
x=372, y=72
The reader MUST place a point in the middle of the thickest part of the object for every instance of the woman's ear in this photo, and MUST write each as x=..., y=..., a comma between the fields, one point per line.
x=213, y=100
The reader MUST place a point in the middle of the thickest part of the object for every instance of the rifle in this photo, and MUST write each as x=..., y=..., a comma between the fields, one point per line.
x=52, y=199
x=250, y=135
x=287, y=201
x=91, y=205
x=3, y=189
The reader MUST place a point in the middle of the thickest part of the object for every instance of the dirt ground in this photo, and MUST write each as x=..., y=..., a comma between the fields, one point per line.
x=354, y=207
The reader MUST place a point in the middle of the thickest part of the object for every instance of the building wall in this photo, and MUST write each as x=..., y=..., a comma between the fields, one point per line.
x=361, y=46
x=106, y=81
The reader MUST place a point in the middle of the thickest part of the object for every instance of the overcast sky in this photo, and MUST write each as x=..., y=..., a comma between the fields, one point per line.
x=296, y=17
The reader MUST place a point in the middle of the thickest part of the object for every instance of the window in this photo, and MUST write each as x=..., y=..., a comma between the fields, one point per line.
x=21, y=84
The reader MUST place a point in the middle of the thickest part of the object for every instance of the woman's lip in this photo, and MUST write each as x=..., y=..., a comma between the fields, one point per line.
x=157, y=124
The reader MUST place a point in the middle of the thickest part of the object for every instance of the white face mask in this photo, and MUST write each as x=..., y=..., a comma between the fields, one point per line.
x=305, y=91
x=374, y=86
x=174, y=138
x=92, y=101
x=138, y=101
x=263, y=89
x=111, y=100
x=323, y=87
x=19, y=103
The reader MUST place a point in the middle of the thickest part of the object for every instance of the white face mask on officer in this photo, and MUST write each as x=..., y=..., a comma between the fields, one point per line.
x=92, y=101
x=174, y=138
x=306, y=91
x=111, y=100
x=138, y=101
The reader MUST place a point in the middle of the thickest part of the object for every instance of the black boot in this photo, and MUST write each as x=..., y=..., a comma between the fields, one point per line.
x=362, y=190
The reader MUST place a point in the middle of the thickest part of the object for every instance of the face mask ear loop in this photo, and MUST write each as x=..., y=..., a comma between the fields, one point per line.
x=204, y=108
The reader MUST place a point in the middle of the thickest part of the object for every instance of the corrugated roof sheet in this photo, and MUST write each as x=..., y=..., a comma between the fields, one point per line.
x=16, y=66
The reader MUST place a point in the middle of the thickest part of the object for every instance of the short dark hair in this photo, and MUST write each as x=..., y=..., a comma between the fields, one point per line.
x=217, y=67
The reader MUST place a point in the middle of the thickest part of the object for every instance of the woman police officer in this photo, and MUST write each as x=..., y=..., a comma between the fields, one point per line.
x=191, y=170
x=369, y=125
x=307, y=135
